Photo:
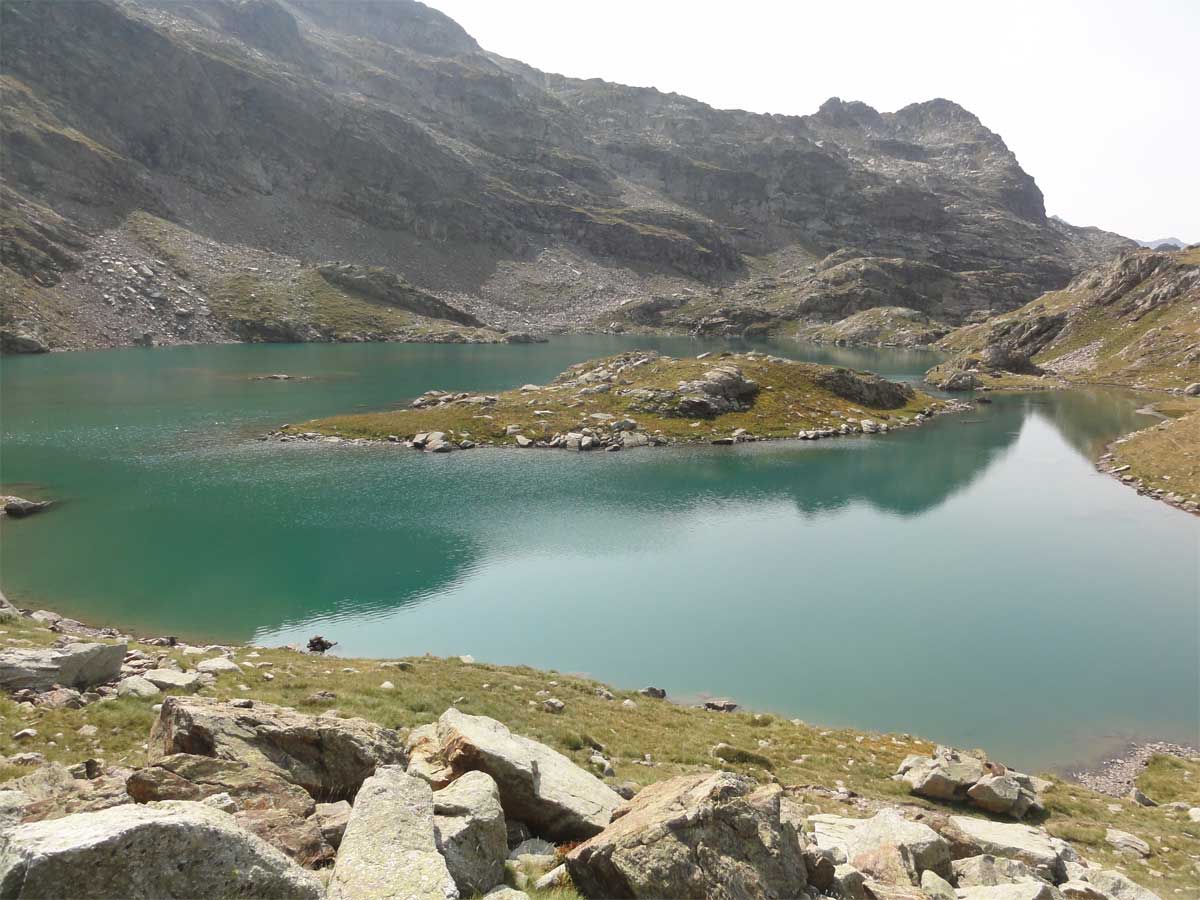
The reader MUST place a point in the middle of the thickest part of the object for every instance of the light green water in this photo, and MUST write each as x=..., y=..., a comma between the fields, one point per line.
x=974, y=581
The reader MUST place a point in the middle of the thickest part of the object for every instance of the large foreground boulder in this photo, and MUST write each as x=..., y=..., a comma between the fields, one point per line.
x=538, y=786
x=79, y=666
x=704, y=836
x=470, y=830
x=388, y=849
x=174, y=849
x=327, y=756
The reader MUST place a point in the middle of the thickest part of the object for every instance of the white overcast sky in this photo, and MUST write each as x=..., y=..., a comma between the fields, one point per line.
x=1099, y=99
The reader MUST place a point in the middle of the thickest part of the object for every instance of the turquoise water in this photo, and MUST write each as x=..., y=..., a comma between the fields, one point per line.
x=973, y=581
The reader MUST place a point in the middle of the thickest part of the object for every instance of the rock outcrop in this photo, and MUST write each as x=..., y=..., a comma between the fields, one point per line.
x=327, y=756
x=955, y=775
x=172, y=849
x=512, y=196
x=1134, y=320
x=538, y=786
x=717, y=835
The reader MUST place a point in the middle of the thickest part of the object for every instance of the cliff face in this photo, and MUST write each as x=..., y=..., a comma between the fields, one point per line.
x=379, y=133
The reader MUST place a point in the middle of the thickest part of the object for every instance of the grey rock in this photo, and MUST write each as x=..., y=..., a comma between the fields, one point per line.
x=538, y=786
x=1127, y=843
x=703, y=835
x=332, y=819
x=985, y=870
x=172, y=849
x=171, y=680
x=470, y=832
x=1119, y=886
x=79, y=666
x=327, y=756
x=388, y=849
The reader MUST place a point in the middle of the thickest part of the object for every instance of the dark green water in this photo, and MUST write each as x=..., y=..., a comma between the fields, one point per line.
x=974, y=581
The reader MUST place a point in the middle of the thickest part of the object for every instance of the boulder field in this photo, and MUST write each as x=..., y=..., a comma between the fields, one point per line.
x=235, y=801
x=231, y=796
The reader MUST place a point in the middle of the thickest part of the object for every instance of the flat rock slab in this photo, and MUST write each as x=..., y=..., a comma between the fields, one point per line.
x=327, y=756
x=538, y=786
x=174, y=849
x=389, y=851
x=705, y=835
x=79, y=666
x=1032, y=846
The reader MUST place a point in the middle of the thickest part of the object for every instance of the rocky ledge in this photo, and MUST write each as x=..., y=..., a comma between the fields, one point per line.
x=640, y=399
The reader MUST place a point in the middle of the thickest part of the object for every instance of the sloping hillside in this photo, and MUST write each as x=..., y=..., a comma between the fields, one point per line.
x=1134, y=321
x=380, y=134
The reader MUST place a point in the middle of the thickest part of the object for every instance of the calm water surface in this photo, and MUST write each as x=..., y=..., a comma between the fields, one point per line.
x=974, y=581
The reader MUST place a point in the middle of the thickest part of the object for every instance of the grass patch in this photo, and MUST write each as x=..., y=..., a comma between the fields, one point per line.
x=679, y=739
x=1166, y=456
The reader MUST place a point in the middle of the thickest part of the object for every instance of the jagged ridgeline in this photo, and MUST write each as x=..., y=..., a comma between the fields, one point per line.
x=186, y=170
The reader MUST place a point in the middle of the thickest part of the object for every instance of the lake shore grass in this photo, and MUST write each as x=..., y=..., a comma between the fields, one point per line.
x=645, y=739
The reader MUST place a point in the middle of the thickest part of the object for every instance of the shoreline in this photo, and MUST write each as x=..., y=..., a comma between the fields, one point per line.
x=1116, y=776
x=1113, y=776
x=419, y=441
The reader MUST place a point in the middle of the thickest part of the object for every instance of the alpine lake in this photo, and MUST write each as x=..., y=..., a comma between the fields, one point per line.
x=973, y=581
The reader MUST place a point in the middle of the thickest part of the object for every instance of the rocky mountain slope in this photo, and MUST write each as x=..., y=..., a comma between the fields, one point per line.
x=1133, y=321
x=285, y=134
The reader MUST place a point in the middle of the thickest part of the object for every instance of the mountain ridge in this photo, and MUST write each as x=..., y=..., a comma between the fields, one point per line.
x=382, y=135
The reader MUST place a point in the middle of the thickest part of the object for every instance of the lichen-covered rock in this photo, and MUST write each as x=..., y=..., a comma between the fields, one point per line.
x=79, y=665
x=300, y=839
x=1044, y=854
x=470, y=831
x=985, y=869
x=185, y=776
x=327, y=756
x=705, y=835
x=173, y=849
x=538, y=786
x=389, y=850
x=886, y=847
x=1119, y=887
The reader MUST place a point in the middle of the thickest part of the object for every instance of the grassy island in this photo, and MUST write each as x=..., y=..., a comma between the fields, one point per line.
x=639, y=398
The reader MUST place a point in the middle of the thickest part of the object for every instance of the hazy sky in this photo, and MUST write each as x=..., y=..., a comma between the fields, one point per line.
x=1098, y=99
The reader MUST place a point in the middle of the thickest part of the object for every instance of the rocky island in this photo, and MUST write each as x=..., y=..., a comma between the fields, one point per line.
x=639, y=399
x=158, y=767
